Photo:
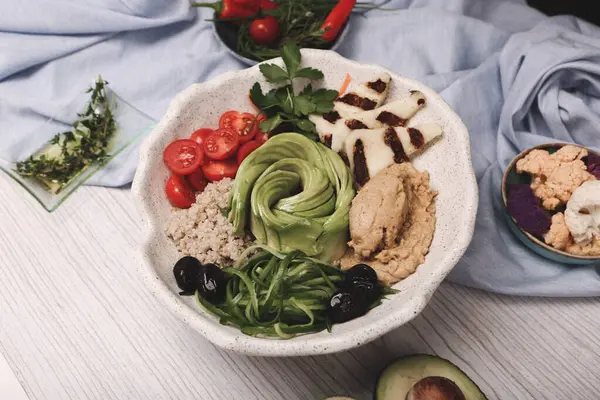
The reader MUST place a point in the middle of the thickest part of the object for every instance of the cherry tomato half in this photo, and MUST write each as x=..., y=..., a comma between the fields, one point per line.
x=199, y=135
x=265, y=30
x=261, y=137
x=245, y=150
x=255, y=128
x=221, y=144
x=183, y=156
x=197, y=180
x=179, y=192
x=217, y=170
x=239, y=122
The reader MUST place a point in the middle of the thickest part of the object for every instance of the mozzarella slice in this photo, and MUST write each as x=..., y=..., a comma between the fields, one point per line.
x=366, y=96
x=415, y=139
x=395, y=113
x=377, y=154
x=332, y=128
x=371, y=150
x=334, y=133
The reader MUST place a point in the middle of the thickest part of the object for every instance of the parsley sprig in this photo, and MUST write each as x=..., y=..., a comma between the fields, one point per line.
x=285, y=110
x=70, y=153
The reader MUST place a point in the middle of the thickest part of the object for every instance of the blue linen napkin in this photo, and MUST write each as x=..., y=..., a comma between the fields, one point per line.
x=515, y=76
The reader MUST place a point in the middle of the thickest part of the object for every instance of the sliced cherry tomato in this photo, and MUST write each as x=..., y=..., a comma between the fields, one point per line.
x=200, y=135
x=261, y=137
x=239, y=122
x=247, y=148
x=221, y=144
x=197, y=180
x=265, y=30
x=179, y=192
x=255, y=128
x=217, y=170
x=183, y=156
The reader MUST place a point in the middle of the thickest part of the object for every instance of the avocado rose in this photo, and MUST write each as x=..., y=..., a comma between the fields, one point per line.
x=294, y=194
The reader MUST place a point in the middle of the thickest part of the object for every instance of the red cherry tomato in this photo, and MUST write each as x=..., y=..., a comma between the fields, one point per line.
x=179, y=192
x=183, y=156
x=265, y=30
x=261, y=137
x=200, y=135
x=221, y=144
x=255, y=128
x=239, y=122
x=217, y=170
x=245, y=150
x=197, y=180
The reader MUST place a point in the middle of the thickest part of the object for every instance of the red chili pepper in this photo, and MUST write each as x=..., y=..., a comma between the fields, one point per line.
x=248, y=4
x=268, y=5
x=337, y=18
x=233, y=8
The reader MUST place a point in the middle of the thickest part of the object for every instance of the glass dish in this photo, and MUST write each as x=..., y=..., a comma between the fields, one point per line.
x=132, y=124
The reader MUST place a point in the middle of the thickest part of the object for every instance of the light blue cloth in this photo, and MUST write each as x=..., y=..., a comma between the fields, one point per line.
x=516, y=77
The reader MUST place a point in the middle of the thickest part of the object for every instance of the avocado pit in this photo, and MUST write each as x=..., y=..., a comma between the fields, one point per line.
x=435, y=388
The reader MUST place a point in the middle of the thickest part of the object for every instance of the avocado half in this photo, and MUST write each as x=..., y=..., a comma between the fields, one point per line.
x=339, y=398
x=425, y=377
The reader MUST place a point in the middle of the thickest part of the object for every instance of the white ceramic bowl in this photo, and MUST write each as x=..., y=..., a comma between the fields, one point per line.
x=448, y=161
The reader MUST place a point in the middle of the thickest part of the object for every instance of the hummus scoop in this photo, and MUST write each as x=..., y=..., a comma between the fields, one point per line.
x=582, y=215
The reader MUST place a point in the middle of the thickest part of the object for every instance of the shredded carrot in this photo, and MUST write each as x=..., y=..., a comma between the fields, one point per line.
x=345, y=84
x=253, y=105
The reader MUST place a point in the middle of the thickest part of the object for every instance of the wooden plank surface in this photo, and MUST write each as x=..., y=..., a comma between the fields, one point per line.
x=77, y=323
x=10, y=389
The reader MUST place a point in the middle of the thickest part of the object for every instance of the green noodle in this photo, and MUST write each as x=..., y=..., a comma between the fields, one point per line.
x=270, y=294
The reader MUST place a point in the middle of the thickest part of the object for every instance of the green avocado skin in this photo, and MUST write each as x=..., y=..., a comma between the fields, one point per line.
x=396, y=380
x=294, y=194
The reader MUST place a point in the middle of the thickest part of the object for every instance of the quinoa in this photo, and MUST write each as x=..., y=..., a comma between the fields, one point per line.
x=202, y=231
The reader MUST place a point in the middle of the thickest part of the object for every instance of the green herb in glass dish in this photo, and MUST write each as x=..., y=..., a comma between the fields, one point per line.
x=119, y=126
x=285, y=110
x=70, y=153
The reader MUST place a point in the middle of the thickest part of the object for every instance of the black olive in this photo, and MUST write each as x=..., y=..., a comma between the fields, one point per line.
x=211, y=283
x=346, y=305
x=363, y=278
x=186, y=272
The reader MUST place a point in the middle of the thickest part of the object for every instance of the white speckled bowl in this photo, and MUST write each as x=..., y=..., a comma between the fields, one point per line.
x=448, y=161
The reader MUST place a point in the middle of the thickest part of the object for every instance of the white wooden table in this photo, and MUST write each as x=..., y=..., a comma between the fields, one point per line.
x=77, y=323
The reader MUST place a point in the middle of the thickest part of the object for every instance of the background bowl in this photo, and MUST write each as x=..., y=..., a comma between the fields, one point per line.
x=448, y=161
x=511, y=176
x=226, y=34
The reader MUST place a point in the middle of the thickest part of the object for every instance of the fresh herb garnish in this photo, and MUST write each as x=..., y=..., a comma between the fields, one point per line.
x=70, y=153
x=281, y=105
